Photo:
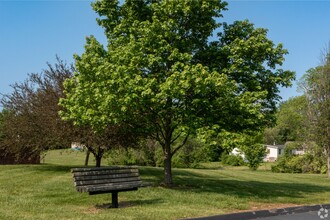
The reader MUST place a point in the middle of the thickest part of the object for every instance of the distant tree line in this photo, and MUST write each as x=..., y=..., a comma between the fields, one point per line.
x=304, y=123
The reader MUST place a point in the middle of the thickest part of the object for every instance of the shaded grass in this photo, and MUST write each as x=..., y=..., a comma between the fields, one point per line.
x=46, y=191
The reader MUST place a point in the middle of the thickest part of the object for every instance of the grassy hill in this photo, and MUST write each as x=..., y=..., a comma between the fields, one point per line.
x=46, y=191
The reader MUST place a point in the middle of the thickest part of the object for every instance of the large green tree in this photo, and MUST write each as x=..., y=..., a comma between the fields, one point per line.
x=316, y=86
x=292, y=119
x=160, y=73
x=292, y=122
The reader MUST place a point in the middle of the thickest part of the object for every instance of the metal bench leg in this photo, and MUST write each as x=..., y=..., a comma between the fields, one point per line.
x=114, y=200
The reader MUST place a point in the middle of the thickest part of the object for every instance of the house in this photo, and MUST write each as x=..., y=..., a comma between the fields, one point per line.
x=237, y=152
x=77, y=146
x=273, y=152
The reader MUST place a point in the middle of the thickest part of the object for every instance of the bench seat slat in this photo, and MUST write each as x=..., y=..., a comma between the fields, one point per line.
x=104, y=172
x=109, y=187
x=106, y=180
x=82, y=169
x=112, y=176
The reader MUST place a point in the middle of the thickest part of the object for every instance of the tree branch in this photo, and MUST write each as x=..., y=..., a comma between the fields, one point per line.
x=181, y=145
x=176, y=138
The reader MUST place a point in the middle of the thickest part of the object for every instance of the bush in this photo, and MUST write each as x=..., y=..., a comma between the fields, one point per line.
x=121, y=156
x=254, y=155
x=310, y=162
x=232, y=160
x=25, y=157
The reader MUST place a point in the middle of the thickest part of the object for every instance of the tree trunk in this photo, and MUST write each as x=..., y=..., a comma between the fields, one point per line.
x=98, y=160
x=168, y=169
x=98, y=154
x=87, y=157
x=167, y=134
x=328, y=154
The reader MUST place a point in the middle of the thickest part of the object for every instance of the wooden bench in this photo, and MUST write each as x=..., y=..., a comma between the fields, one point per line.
x=112, y=180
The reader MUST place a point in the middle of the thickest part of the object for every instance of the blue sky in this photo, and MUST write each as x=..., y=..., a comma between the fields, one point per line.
x=34, y=32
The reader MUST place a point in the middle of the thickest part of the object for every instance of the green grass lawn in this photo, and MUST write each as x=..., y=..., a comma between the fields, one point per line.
x=46, y=192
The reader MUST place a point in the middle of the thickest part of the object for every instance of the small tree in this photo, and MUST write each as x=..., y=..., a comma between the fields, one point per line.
x=32, y=124
x=250, y=145
x=254, y=154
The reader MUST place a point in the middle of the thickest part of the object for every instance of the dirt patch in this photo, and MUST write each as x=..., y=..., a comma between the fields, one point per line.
x=91, y=210
x=108, y=205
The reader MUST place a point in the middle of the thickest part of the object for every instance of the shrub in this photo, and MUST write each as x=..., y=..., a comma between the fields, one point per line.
x=122, y=156
x=254, y=155
x=313, y=161
x=232, y=160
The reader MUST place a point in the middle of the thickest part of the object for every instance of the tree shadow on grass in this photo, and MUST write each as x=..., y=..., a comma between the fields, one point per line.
x=155, y=175
x=131, y=203
x=199, y=183
x=186, y=180
x=189, y=181
x=262, y=190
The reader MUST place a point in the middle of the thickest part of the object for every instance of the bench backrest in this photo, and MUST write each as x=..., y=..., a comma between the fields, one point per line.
x=98, y=179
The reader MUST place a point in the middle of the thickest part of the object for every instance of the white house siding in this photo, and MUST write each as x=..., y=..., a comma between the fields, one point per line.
x=273, y=152
x=298, y=152
x=236, y=152
x=77, y=146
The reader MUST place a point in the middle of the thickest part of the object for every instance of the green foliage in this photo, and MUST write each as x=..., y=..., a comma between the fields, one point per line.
x=212, y=152
x=290, y=147
x=232, y=160
x=249, y=144
x=313, y=161
x=292, y=122
x=156, y=73
x=193, y=153
x=146, y=153
x=150, y=154
x=253, y=149
x=125, y=156
x=245, y=54
x=316, y=86
x=271, y=136
x=306, y=163
x=292, y=119
x=254, y=154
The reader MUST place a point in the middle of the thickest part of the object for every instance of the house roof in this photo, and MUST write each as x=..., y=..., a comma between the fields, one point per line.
x=275, y=146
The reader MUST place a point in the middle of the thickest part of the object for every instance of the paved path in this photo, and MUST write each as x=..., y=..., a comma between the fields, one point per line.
x=314, y=212
x=299, y=216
